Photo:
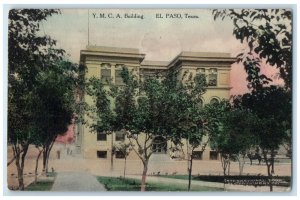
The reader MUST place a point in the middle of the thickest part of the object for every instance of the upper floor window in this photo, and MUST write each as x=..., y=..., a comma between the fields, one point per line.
x=200, y=71
x=120, y=136
x=118, y=77
x=106, y=73
x=200, y=103
x=212, y=77
x=101, y=137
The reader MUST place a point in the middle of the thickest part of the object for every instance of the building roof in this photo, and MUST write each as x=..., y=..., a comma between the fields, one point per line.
x=205, y=54
x=113, y=49
x=154, y=64
x=112, y=53
x=202, y=57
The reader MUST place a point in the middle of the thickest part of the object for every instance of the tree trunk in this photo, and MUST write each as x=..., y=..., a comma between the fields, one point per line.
x=125, y=167
x=241, y=164
x=144, y=175
x=190, y=172
x=46, y=154
x=36, y=165
x=20, y=173
x=272, y=161
x=45, y=150
x=228, y=172
x=112, y=153
x=269, y=163
x=20, y=156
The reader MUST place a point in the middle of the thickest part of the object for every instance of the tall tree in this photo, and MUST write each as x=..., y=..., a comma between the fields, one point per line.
x=139, y=115
x=273, y=106
x=55, y=90
x=268, y=34
x=184, y=120
x=28, y=53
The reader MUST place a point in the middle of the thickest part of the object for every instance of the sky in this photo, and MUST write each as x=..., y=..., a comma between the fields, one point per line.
x=161, y=39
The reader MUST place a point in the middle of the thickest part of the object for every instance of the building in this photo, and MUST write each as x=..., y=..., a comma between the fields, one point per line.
x=107, y=62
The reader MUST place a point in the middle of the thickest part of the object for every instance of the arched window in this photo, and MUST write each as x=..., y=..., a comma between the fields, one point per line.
x=212, y=77
x=159, y=145
x=118, y=77
x=106, y=73
x=200, y=103
x=214, y=101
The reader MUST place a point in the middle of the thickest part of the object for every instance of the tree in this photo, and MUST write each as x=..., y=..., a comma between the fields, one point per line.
x=140, y=116
x=273, y=106
x=268, y=35
x=28, y=53
x=214, y=114
x=55, y=90
x=124, y=149
x=184, y=120
x=235, y=137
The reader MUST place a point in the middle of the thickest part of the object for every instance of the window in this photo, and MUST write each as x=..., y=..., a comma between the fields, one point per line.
x=159, y=145
x=213, y=155
x=120, y=154
x=200, y=71
x=200, y=103
x=214, y=101
x=118, y=77
x=101, y=137
x=105, y=73
x=212, y=77
x=101, y=154
x=120, y=136
x=197, y=155
x=141, y=100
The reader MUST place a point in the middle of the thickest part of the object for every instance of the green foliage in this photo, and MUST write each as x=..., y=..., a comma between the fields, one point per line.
x=273, y=106
x=268, y=34
x=42, y=85
x=28, y=53
x=55, y=101
x=102, y=114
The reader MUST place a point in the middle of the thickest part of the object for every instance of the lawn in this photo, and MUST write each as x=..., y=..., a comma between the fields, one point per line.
x=45, y=185
x=40, y=186
x=119, y=184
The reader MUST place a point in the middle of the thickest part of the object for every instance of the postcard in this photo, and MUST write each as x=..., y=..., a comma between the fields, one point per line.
x=159, y=100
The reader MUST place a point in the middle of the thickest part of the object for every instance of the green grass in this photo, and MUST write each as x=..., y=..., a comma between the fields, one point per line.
x=119, y=184
x=183, y=177
x=40, y=186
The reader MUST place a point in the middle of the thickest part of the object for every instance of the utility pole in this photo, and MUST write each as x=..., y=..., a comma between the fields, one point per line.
x=88, y=27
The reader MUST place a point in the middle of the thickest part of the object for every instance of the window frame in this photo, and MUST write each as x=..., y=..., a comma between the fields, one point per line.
x=106, y=79
x=119, y=155
x=118, y=69
x=99, y=154
x=198, y=158
x=213, y=82
x=99, y=137
x=214, y=157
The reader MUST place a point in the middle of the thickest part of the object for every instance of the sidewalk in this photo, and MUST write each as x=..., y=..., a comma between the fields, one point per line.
x=76, y=181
